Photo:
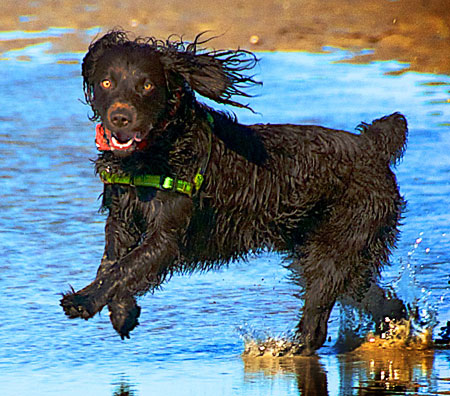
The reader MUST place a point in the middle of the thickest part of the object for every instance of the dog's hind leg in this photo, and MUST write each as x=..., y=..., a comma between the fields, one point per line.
x=341, y=257
x=321, y=289
x=323, y=266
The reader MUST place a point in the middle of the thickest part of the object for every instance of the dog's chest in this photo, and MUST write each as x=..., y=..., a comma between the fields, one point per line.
x=128, y=201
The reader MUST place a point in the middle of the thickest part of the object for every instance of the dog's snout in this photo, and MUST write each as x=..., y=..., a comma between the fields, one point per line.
x=121, y=115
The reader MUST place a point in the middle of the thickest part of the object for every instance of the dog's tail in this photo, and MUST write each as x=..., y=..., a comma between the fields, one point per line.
x=387, y=136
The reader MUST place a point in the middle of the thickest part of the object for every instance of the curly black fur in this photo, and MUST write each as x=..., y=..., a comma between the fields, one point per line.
x=326, y=199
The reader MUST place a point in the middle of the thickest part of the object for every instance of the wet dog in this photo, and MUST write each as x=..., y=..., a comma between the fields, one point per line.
x=187, y=187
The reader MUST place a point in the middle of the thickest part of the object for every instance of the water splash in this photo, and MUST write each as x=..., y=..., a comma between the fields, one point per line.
x=414, y=332
x=422, y=311
x=260, y=343
x=354, y=326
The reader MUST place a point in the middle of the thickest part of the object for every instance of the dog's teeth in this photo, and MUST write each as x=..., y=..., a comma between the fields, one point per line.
x=121, y=145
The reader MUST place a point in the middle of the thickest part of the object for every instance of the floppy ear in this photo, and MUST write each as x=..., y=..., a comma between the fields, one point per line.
x=217, y=75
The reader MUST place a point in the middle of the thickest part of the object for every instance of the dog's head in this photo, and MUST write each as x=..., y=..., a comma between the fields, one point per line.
x=135, y=86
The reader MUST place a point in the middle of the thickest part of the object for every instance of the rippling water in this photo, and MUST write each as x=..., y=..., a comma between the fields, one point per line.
x=51, y=236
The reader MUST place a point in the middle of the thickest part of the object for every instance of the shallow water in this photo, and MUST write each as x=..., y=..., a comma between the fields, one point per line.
x=188, y=342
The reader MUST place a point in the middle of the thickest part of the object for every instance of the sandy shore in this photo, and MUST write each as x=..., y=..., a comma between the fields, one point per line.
x=416, y=32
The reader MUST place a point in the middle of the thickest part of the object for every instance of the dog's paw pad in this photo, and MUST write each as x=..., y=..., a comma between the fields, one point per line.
x=76, y=306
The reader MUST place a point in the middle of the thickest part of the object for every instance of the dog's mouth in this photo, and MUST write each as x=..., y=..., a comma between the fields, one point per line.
x=116, y=144
x=107, y=140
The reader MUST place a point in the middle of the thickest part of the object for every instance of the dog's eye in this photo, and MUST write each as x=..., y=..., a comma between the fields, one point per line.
x=148, y=86
x=106, y=84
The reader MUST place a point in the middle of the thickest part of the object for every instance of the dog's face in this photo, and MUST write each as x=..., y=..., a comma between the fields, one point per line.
x=136, y=86
x=129, y=94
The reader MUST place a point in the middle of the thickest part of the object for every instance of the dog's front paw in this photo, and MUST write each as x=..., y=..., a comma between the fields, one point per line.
x=77, y=305
x=124, y=316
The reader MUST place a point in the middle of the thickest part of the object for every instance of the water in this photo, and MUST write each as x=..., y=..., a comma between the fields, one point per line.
x=188, y=342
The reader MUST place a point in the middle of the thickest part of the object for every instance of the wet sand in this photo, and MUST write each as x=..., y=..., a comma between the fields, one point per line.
x=416, y=32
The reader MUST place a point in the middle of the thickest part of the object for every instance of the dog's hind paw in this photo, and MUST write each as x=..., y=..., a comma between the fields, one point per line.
x=124, y=316
x=77, y=305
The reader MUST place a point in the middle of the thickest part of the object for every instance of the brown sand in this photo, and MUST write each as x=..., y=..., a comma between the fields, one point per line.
x=416, y=32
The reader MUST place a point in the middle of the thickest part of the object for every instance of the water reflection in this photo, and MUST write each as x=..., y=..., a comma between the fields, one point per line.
x=362, y=373
x=309, y=373
x=123, y=389
x=386, y=372
x=29, y=35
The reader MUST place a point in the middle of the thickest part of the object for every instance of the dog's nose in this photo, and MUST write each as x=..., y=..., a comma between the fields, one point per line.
x=121, y=117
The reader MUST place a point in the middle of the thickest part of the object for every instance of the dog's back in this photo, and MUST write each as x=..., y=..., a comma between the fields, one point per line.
x=273, y=186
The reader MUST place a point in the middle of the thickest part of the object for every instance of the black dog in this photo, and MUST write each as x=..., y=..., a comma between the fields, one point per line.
x=187, y=187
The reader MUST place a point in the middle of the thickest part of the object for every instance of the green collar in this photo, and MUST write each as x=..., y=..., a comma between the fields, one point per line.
x=162, y=182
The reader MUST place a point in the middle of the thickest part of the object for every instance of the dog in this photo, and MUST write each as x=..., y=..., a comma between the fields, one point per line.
x=189, y=188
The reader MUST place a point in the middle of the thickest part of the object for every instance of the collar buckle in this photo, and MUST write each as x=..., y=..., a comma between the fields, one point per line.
x=166, y=183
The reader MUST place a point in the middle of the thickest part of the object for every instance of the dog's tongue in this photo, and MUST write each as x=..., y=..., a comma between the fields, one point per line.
x=105, y=141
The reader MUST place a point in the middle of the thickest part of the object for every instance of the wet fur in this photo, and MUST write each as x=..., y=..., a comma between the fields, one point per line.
x=325, y=199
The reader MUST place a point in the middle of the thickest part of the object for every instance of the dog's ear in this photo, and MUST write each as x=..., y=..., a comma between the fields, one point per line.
x=217, y=75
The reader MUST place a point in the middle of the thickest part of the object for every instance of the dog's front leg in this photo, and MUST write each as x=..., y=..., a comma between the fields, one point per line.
x=120, y=236
x=119, y=241
x=143, y=268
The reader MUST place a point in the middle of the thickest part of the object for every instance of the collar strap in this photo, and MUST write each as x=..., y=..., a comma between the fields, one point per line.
x=165, y=183
x=160, y=182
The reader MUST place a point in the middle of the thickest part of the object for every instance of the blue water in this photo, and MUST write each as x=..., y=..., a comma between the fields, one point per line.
x=51, y=235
